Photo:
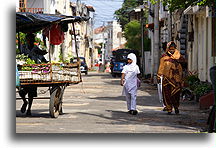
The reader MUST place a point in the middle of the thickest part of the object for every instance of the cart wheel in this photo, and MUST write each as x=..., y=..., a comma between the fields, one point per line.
x=61, y=99
x=55, y=101
x=60, y=104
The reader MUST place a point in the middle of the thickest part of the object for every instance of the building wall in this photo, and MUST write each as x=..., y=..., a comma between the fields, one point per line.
x=199, y=51
x=200, y=58
x=35, y=3
x=115, y=37
x=62, y=7
x=67, y=48
x=117, y=40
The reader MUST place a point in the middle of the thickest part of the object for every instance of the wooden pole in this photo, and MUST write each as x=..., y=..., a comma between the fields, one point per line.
x=19, y=42
x=76, y=48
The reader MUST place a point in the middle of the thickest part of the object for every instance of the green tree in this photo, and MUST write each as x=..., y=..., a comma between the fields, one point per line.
x=122, y=13
x=132, y=34
x=177, y=4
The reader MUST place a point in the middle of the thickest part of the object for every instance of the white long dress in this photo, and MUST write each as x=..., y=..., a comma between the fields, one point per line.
x=130, y=83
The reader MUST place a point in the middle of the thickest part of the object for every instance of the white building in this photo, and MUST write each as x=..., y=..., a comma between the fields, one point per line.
x=100, y=40
x=115, y=38
x=201, y=56
x=84, y=30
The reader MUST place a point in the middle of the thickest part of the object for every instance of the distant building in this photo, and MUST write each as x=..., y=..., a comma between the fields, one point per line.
x=100, y=39
x=115, y=38
x=84, y=30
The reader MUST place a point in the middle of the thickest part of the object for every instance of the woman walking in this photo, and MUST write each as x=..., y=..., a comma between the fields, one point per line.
x=171, y=70
x=129, y=82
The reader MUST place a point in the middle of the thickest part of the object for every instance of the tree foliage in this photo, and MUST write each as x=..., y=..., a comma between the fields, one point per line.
x=132, y=34
x=177, y=4
x=122, y=13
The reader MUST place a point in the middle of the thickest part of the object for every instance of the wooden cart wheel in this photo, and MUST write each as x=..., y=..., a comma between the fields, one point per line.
x=55, y=101
x=61, y=99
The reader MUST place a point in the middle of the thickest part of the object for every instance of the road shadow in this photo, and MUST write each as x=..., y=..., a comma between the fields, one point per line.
x=98, y=74
x=152, y=114
x=141, y=100
x=37, y=113
x=149, y=118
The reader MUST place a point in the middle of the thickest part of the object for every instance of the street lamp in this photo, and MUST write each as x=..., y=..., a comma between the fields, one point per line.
x=142, y=40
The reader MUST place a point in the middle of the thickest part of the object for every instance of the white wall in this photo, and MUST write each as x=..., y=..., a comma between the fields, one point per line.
x=147, y=62
x=201, y=59
x=35, y=4
x=17, y=5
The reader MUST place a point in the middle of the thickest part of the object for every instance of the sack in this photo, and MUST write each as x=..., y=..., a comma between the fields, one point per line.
x=138, y=82
x=159, y=86
x=160, y=94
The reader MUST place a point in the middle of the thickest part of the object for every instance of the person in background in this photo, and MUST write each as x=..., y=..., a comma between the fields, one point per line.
x=171, y=70
x=129, y=83
x=36, y=54
x=32, y=50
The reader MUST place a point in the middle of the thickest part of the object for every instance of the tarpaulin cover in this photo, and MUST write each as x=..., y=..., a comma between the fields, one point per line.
x=30, y=22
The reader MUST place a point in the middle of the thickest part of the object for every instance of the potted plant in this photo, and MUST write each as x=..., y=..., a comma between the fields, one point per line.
x=202, y=89
x=190, y=83
x=204, y=95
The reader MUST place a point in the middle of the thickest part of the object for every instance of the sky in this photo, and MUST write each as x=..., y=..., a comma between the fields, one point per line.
x=104, y=10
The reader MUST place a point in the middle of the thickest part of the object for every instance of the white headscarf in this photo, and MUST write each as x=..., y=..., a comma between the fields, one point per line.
x=132, y=56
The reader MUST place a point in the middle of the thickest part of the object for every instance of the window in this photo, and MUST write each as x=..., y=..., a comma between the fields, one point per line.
x=22, y=5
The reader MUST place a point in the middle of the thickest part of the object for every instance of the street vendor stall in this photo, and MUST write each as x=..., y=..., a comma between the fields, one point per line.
x=56, y=76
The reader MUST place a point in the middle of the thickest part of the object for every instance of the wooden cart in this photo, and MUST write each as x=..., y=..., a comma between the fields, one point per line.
x=54, y=76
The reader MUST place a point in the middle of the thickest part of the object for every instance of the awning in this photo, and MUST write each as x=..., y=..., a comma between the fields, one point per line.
x=193, y=9
x=90, y=8
x=30, y=22
x=188, y=10
x=151, y=25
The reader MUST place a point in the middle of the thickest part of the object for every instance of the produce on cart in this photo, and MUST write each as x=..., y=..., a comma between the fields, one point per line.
x=40, y=72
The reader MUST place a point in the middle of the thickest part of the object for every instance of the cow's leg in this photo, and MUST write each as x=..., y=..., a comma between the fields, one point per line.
x=29, y=106
x=25, y=103
x=22, y=94
x=31, y=94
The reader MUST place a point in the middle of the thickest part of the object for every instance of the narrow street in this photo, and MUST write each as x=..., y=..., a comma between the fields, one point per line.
x=96, y=106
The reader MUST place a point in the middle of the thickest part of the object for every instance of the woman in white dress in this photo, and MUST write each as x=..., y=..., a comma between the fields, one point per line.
x=129, y=83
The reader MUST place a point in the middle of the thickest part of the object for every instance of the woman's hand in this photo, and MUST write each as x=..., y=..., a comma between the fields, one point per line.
x=122, y=82
x=122, y=79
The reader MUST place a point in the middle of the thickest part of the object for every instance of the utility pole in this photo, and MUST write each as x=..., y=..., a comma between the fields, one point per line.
x=142, y=38
x=170, y=26
x=103, y=48
x=156, y=50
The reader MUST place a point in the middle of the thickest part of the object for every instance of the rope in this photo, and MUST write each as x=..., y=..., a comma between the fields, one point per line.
x=43, y=91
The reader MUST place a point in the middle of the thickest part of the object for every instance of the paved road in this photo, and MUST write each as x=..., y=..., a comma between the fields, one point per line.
x=96, y=106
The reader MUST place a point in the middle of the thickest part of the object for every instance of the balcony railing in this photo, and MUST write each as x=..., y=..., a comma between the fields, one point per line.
x=32, y=10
